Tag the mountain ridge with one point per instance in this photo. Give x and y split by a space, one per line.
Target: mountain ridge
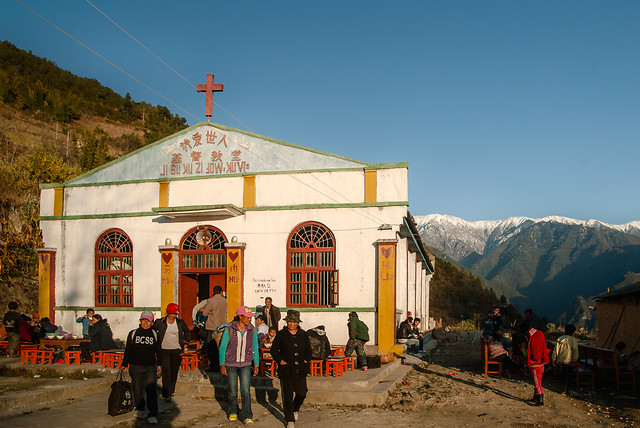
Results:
541 263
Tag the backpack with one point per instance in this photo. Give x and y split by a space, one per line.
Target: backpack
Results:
120 400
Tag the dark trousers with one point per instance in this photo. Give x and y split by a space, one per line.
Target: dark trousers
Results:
85 352
289 386
171 360
212 351
358 346
145 380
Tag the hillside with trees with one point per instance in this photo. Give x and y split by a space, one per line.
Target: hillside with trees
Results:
53 126
458 297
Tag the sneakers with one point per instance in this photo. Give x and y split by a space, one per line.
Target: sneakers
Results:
291 425
168 399
295 415
248 421
153 420
233 417
365 368
140 414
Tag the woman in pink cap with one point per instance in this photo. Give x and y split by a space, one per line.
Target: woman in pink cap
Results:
238 352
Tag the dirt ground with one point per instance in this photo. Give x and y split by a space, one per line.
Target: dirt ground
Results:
447 389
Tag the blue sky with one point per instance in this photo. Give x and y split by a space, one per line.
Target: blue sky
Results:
501 108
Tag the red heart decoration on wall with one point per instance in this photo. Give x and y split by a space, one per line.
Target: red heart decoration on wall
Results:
167 257
44 258
386 251
233 256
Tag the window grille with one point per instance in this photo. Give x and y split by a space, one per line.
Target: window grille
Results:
311 274
114 269
203 250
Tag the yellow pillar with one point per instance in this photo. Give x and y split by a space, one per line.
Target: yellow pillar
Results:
235 277
163 194
168 275
370 186
46 282
249 194
386 278
58 201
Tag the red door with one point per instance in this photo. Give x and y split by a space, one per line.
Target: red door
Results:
188 297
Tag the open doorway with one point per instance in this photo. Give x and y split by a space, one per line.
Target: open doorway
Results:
203 265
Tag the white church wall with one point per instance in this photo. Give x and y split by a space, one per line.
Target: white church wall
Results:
210 191
46 201
111 199
310 188
392 185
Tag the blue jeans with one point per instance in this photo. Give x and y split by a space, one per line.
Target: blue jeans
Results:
244 374
358 346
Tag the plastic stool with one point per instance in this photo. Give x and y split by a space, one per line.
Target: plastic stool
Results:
316 367
334 368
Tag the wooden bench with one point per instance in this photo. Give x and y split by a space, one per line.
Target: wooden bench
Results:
490 367
604 364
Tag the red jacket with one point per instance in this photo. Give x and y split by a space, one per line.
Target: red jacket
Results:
537 352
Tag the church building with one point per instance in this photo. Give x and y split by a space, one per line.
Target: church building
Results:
212 205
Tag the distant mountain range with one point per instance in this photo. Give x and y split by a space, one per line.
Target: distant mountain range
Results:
552 265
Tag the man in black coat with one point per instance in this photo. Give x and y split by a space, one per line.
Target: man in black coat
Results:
292 351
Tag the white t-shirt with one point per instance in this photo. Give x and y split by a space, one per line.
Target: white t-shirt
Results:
171 338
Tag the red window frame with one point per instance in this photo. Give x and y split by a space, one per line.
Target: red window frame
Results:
114 269
311 260
202 250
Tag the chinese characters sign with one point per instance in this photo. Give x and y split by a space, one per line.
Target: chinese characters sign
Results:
204 154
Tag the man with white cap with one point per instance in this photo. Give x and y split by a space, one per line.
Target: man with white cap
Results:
144 357
238 351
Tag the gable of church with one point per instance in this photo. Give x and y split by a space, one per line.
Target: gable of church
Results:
212 150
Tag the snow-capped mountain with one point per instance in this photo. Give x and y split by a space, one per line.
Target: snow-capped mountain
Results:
459 238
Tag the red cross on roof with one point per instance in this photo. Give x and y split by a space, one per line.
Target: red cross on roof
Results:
209 88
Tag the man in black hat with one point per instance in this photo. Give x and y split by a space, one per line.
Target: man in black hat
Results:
291 349
358 336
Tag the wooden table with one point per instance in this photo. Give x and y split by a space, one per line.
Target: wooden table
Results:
64 343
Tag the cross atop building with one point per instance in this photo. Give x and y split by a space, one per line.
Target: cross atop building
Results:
209 88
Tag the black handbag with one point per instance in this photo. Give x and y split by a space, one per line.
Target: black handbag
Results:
120 398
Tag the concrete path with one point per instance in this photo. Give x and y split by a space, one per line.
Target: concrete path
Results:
200 397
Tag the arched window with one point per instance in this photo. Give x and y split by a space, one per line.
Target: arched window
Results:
311 274
114 269
203 249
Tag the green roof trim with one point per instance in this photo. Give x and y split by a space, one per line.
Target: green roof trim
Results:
209 176
158 211
108 308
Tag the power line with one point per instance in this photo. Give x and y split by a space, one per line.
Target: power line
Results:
106 60
371 217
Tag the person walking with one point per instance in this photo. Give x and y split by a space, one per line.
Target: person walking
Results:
238 353
358 336
216 312
271 313
291 349
143 355
565 354
537 357
173 335
11 322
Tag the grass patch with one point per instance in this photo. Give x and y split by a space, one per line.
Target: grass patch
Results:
47 372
